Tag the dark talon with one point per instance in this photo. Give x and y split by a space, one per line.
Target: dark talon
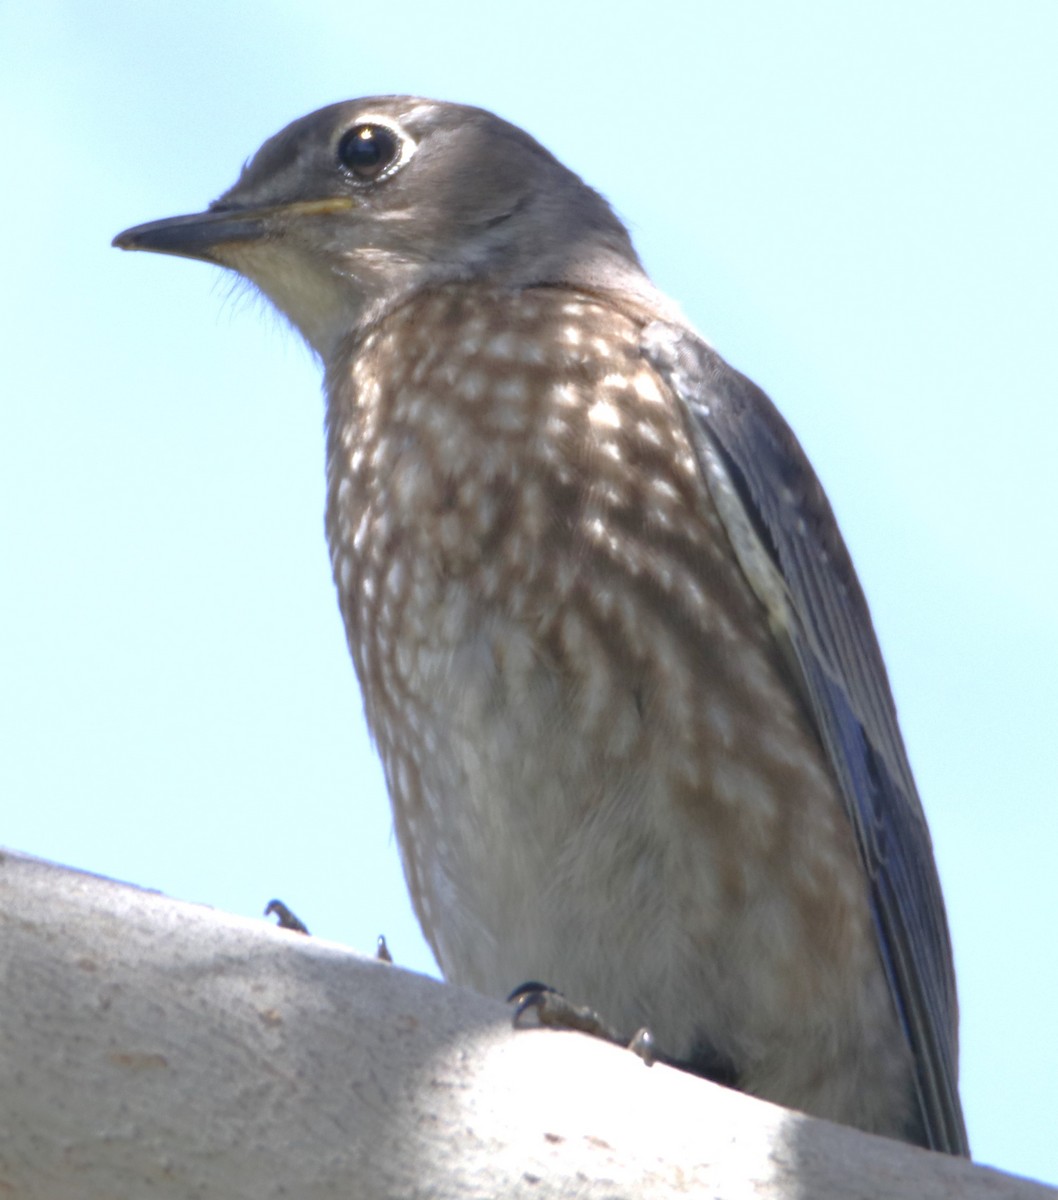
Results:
285 919
524 989
552 1008
531 995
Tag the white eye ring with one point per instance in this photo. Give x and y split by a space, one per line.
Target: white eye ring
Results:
373 149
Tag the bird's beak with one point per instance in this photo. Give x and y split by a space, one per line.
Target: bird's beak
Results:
201 235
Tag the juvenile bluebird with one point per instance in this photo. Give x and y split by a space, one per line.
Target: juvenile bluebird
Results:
635 724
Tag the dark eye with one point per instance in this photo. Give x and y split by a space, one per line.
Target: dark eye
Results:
368 150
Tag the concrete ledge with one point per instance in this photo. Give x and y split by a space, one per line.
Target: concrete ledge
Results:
151 1048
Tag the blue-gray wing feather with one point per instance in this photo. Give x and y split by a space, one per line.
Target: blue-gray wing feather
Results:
770 498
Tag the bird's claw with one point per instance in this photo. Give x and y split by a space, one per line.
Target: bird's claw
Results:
643 1046
555 1011
285 919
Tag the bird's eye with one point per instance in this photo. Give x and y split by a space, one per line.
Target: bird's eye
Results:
368 150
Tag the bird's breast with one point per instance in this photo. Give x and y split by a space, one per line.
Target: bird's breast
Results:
587 733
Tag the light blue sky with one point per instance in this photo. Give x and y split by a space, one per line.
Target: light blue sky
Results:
855 201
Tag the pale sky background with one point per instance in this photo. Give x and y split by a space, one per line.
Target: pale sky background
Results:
856 202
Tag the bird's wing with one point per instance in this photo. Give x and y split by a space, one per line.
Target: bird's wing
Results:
787 541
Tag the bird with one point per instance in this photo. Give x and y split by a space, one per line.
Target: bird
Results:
634 721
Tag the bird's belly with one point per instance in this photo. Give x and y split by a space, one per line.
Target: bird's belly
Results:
537 855
615 838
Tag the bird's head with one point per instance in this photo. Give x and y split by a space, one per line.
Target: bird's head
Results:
349 209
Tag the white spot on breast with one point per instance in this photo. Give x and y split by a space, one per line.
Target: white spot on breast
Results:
532 351
395 577
607 494
361 532
513 389
663 491
647 389
411 486
472 385
646 432
502 345
605 415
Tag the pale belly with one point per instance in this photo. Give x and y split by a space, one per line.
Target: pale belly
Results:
621 841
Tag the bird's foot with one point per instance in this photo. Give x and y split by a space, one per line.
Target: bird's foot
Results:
555 1011
285 919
